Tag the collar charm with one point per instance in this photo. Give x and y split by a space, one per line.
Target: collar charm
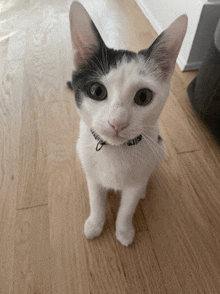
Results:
100 145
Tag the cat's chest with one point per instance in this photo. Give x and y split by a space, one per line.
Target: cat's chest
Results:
116 167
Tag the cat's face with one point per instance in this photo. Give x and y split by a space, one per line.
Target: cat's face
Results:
119 93
122 102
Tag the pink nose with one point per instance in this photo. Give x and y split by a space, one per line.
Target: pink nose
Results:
118 127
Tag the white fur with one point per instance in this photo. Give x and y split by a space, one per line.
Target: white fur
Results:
117 166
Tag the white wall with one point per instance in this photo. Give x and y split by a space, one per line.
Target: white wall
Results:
161 13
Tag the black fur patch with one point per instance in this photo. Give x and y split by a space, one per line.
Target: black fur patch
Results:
99 64
147 52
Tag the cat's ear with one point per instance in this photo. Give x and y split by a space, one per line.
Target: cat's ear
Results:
166 47
85 37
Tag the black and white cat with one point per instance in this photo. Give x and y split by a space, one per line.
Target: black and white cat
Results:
119 96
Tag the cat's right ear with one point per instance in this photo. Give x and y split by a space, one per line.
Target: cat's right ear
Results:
85 37
165 49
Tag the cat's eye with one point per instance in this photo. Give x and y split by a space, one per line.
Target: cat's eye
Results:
98 91
143 97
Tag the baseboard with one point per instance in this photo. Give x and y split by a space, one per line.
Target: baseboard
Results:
192 66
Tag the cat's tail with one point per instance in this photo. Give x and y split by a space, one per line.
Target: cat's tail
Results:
69 84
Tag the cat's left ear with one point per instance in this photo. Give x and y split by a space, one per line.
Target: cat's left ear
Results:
165 49
85 37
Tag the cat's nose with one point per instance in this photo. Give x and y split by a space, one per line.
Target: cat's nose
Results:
118 126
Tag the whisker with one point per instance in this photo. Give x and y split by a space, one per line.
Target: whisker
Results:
144 134
136 153
158 126
101 66
153 132
160 152
152 149
150 126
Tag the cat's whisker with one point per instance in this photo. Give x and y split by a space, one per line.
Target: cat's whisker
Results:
164 127
97 70
136 153
90 79
160 152
161 149
144 134
152 131
150 126
100 63
90 70
100 70
153 149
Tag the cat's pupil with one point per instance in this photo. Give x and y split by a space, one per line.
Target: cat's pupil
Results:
143 97
98 91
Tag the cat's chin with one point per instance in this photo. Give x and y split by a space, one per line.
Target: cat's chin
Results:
116 141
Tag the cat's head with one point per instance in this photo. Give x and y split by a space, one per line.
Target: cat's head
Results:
120 93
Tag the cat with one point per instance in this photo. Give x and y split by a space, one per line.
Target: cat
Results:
119 96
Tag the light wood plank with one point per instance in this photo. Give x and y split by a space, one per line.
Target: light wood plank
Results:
104 265
10 122
32 252
39 96
147 276
66 193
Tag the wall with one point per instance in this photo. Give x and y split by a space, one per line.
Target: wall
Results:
203 17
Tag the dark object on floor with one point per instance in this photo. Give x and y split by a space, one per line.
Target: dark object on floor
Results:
204 90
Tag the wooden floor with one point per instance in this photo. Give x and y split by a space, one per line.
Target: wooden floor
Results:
43 192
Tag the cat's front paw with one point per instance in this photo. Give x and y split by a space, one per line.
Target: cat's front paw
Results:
125 235
93 228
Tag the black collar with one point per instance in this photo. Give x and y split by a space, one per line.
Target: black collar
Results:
101 143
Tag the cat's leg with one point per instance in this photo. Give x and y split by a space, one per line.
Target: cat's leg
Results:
97 198
124 226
